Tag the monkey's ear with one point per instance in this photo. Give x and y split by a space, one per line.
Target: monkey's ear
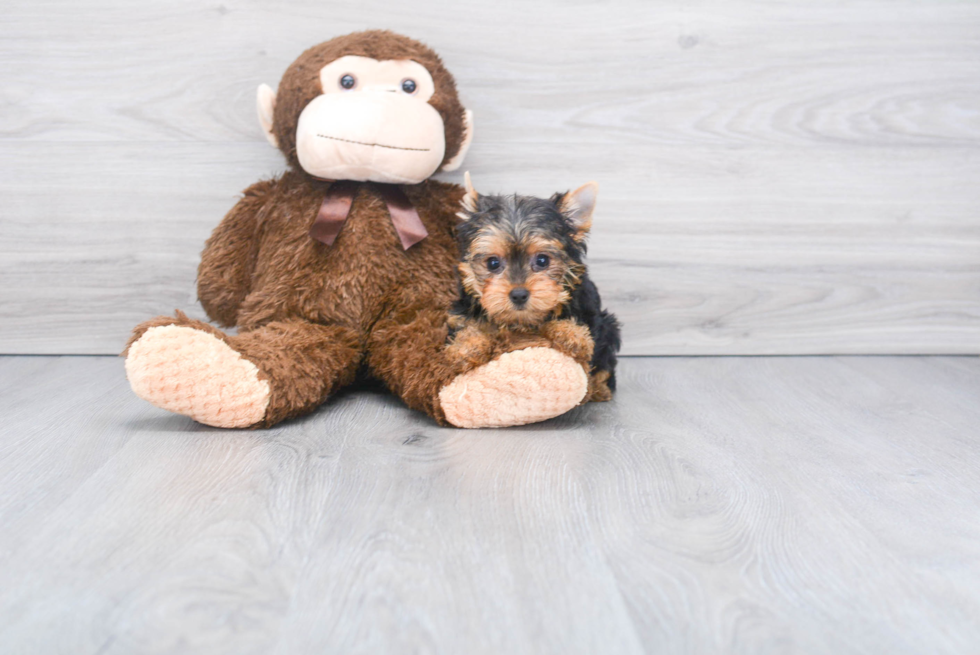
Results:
266 102
457 160
578 206
469 199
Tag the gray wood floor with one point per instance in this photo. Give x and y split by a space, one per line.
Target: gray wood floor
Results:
750 505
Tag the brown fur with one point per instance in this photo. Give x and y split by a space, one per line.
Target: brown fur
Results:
549 288
309 316
547 298
574 340
180 318
301 83
599 391
511 230
570 337
303 362
479 343
309 311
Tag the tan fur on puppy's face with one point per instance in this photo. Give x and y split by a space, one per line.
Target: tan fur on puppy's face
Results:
547 298
549 288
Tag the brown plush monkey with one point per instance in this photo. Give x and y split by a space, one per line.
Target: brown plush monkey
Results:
345 262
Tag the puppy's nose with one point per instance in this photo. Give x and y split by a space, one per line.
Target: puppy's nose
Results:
519 296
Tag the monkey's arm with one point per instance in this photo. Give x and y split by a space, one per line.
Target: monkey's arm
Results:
224 276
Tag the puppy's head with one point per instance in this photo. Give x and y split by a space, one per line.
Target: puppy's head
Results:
522 256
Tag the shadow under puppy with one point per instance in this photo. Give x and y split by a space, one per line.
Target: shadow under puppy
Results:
523 279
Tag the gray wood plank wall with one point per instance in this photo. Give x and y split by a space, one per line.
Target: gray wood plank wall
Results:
776 177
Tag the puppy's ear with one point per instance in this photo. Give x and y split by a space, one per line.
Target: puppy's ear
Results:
578 206
469 199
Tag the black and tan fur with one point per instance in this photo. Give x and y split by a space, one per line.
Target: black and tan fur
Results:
310 316
516 246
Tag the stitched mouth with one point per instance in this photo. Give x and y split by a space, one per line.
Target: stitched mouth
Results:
373 145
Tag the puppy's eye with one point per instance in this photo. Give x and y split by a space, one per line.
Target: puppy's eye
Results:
347 81
494 264
540 262
409 86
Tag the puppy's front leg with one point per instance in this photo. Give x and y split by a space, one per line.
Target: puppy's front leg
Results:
570 338
471 346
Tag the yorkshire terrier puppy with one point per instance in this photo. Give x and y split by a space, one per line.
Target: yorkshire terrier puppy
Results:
523 280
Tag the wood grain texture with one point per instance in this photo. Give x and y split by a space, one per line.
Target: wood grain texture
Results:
723 505
776 177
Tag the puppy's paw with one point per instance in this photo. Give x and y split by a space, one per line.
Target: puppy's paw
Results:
470 347
508 340
599 391
570 338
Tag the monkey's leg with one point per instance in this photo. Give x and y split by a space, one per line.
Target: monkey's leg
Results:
255 379
407 351
519 387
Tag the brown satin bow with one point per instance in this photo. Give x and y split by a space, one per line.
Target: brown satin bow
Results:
336 206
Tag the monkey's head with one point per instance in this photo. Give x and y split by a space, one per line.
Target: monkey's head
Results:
371 106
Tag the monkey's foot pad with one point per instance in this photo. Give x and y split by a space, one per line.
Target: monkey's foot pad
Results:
519 387
193 373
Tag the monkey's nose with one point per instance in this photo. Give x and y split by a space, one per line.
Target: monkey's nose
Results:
519 296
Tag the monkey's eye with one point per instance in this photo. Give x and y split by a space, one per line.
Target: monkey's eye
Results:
540 262
409 86
494 264
347 81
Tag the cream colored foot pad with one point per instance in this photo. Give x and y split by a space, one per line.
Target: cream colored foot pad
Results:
520 387
193 373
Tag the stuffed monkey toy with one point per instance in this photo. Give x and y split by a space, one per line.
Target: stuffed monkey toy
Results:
345 263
